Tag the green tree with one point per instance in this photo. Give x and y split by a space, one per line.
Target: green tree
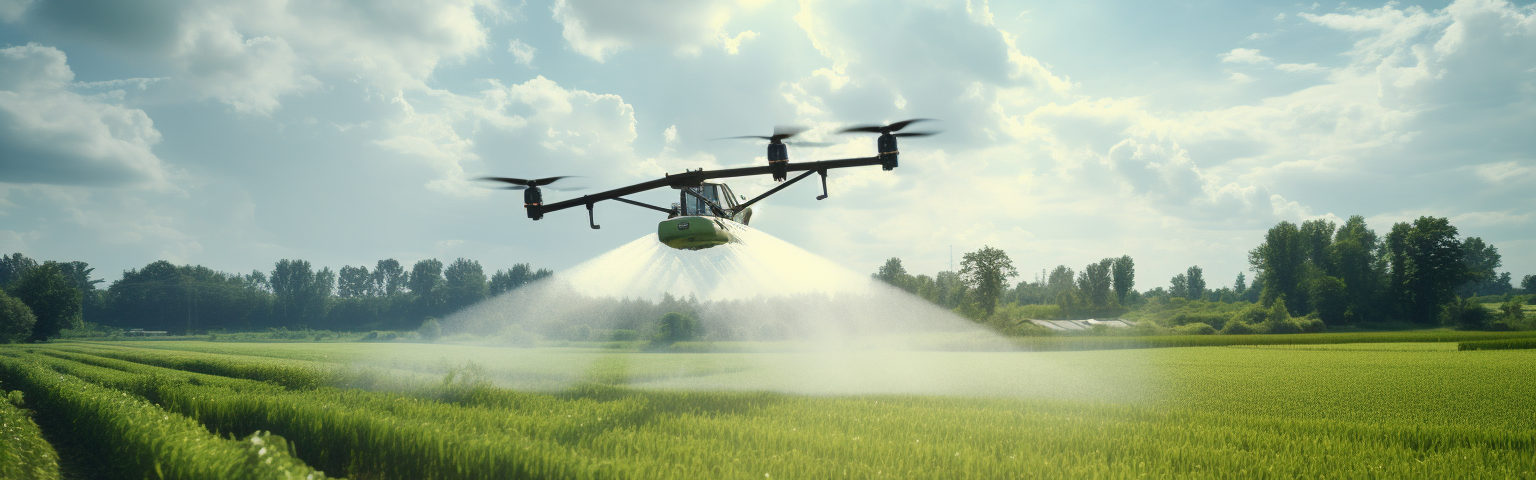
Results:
16 320
1280 260
1332 297
1196 282
1240 286
301 294
463 284
1317 236
1358 265
13 267
986 273
1095 283
676 327
1432 267
353 282
427 284
389 278
1124 277
1178 286
1528 284
53 300
1481 261
892 273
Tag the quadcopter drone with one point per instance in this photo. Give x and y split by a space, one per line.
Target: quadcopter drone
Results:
706 211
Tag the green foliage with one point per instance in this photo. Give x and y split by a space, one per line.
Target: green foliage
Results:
1123 274
1504 344
16 319
1312 411
1281 260
1465 313
430 330
136 439
986 273
463 284
24 454
675 327
54 301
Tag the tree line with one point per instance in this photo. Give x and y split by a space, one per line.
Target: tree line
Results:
1421 272
38 300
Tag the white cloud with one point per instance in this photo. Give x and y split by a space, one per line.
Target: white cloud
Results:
1300 68
521 51
600 28
1243 55
558 130
247 74
50 135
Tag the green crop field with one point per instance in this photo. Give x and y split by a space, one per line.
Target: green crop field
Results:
361 410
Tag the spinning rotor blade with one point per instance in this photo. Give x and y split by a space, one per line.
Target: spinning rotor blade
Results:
914 134
538 182
780 133
894 127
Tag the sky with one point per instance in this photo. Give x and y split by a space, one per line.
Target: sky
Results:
235 134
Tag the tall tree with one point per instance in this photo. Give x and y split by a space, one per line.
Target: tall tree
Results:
463 284
1060 281
1178 286
427 284
53 300
354 282
1196 282
1124 273
1358 264
1482 261
1280 260
1240 286
389 278
986 272
1095 282
300 294
1317 235
13 267
1433 267
892 273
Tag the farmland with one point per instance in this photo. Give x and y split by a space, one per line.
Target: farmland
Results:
290 410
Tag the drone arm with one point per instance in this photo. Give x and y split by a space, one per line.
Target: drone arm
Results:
776 189
667 211
693 178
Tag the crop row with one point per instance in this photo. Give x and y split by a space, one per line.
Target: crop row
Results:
1072 342
24 454
130 437
1507 344
456 429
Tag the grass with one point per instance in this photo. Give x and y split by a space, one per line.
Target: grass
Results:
1325 408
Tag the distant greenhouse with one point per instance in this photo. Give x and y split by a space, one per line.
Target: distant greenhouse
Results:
1078 325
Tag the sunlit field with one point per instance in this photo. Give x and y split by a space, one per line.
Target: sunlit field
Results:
361 410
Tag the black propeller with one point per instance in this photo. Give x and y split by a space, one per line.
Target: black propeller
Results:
890 129
520 184
782 133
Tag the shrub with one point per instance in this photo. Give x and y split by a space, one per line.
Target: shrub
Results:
16 319
675 327
623 335
1195 329
1235 327
430 330
1465 313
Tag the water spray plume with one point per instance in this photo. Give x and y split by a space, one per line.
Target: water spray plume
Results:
776 317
